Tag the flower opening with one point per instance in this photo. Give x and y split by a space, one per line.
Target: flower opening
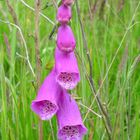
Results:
67 72
45 109
70 133
67 80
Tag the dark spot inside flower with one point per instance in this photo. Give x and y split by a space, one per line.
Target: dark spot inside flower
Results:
67 80
47 109
70 132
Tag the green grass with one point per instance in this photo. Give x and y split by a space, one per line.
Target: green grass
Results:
105 33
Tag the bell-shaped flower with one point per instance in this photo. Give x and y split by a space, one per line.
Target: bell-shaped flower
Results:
67 72
64 14
70 125
45 104
68 2
65 39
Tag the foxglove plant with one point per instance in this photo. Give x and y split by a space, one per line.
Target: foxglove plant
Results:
67 72
70 123
52 96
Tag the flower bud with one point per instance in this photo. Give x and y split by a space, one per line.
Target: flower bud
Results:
65 39
64 14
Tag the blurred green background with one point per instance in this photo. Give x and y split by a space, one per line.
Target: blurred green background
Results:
112 29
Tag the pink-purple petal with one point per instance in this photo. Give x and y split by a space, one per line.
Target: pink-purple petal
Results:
70 125
65 39
45 104
64 14
67 72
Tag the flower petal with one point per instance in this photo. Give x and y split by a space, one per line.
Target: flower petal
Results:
65 39
64 14
45 105
69 119
66 69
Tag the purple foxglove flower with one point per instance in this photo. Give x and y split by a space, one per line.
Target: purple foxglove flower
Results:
64 14
65 39
70 125
67 72
68 2
45 105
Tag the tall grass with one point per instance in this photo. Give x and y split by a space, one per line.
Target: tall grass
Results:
114 45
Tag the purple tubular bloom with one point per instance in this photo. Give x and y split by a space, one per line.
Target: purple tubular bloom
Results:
64 14
70 125
67 69
65 39
68 2
45 105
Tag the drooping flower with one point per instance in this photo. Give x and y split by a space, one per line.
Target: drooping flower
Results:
65 39
64 14
70 125
67 72
68 2
45 105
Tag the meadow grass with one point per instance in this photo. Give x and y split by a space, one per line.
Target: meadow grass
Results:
112 30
